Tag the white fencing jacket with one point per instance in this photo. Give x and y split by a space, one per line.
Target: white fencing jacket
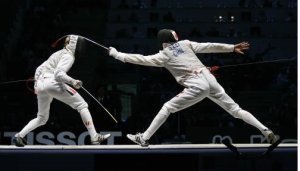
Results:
179 58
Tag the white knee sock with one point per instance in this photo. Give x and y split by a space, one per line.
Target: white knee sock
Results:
88 122
159 119
33 124
250 119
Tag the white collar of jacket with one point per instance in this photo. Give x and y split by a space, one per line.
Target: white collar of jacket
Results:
72 44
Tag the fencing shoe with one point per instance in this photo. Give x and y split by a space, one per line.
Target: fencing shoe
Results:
270 136
99 138
19 141
138 138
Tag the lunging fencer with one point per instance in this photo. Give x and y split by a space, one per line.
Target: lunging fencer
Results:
179 58
51 81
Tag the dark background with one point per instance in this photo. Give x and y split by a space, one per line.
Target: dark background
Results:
134 94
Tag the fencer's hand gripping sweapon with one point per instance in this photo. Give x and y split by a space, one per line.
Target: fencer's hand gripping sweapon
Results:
113 52
100 104
77 84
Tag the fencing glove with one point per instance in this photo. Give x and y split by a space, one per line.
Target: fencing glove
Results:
77 84
114 53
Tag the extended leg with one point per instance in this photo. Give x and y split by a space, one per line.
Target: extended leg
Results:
44 102
219 96
223 100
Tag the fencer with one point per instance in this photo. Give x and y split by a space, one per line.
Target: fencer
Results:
179 58
52 82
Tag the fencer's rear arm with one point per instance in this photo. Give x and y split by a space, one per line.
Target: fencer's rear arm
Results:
211 47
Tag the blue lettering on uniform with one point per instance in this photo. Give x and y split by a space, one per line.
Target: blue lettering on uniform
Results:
176 49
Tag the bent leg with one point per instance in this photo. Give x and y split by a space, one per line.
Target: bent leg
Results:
188 97
197 90
72 98
159 119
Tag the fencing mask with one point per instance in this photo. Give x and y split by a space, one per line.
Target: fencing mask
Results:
73 43
166 36
76 45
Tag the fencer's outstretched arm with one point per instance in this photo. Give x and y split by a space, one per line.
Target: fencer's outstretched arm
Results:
157 60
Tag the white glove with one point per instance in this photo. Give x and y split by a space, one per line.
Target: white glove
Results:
117 55
77 84
113 52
